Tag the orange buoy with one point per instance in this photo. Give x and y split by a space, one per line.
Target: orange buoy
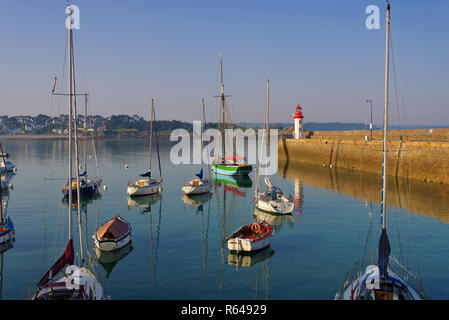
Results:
255 227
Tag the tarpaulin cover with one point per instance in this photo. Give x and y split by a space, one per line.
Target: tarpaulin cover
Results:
113 229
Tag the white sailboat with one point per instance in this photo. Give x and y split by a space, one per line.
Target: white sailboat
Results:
271 200
77 282
200 185
380 281
148 185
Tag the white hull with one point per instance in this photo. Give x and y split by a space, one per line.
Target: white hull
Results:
279 206
9 166
149 188
70 284
112 245
203 187
239 244
357 289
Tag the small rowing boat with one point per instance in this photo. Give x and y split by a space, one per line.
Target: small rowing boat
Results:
113 234
250 238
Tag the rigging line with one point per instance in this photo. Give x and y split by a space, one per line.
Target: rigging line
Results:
379 55
396 71
157 143
396 86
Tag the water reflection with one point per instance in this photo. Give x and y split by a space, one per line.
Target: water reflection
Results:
109 259
247 260
196 200
144 202
276 220
5 246
427 198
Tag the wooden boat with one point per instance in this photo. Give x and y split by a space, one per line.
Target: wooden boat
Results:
113 234
250 238
148 185
77 282
230 165
381 281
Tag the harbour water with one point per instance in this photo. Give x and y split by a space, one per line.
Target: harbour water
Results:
178 249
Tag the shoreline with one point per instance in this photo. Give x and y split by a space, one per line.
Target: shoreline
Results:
62 137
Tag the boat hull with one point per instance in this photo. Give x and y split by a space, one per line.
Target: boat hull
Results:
7 231
146 190
276 207
202 188
112 245
231 169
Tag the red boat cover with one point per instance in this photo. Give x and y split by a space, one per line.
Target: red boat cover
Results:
64 260
113 229
232 157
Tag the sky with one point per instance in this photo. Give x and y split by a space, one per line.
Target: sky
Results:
317 53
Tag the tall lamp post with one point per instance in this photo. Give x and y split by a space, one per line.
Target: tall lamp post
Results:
371 118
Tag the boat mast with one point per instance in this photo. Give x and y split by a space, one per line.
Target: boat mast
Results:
69 34
267 121
201 131
85 131
77 165
223 139
385 142
151 132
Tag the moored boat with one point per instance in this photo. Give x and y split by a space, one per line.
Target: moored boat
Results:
230 165
250 238
113 234
148 185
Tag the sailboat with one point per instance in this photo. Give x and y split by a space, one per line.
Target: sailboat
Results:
147 185
6 225
4 180
88 187
228 164
380 281
77 282
5 165
200 185
271 200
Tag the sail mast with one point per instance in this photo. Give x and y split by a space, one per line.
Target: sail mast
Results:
385 142
384 242
151 132
267 121
85 132
69 34
223 139
201 131
77 165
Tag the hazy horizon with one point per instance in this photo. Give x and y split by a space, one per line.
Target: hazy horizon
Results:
319 54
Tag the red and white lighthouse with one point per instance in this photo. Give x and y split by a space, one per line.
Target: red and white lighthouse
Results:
298 116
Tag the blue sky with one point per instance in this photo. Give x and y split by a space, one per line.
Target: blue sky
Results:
318 53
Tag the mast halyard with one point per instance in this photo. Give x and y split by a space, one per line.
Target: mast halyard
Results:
267 121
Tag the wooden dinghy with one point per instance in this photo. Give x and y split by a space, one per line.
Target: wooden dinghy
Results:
113 234
250 238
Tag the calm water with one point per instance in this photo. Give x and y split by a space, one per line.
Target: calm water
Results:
178 250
